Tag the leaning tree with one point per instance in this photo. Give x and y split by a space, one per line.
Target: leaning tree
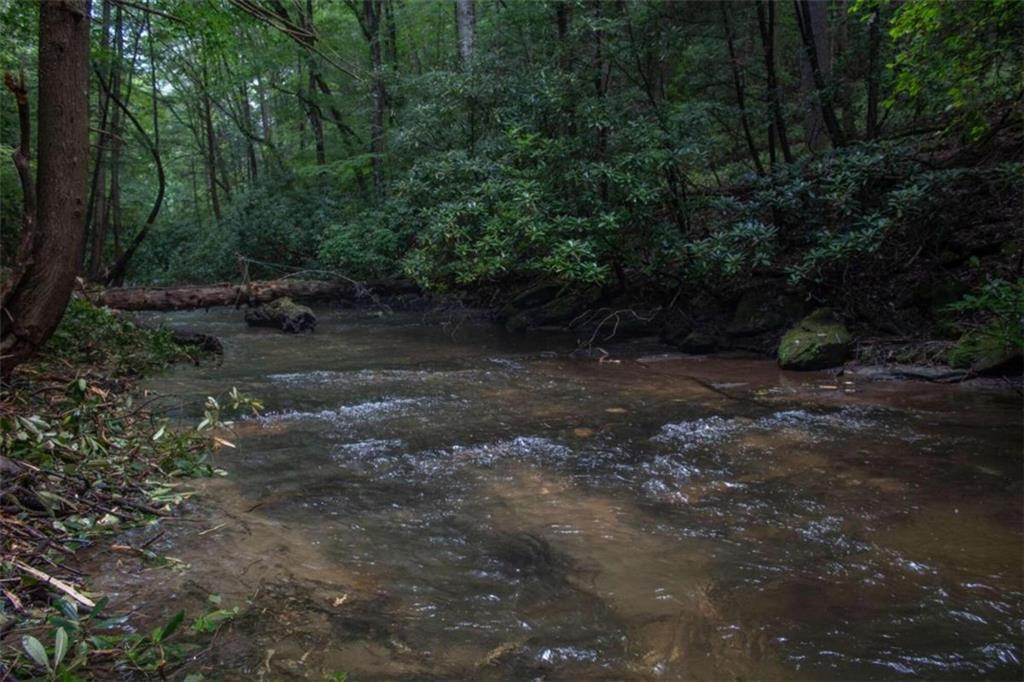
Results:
39 284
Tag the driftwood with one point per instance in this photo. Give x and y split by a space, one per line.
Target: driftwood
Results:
211 295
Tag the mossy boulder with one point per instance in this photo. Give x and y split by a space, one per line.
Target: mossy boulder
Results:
985 352
282 313
818 341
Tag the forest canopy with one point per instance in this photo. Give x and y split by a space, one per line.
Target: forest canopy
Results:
588 142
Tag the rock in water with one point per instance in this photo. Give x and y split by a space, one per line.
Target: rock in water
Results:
818 341
282 313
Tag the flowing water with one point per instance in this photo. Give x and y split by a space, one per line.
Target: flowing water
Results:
425 501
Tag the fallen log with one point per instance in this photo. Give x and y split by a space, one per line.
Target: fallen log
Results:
212 295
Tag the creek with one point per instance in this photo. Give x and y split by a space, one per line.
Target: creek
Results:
447 501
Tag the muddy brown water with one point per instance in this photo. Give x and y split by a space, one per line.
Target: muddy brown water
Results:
426 501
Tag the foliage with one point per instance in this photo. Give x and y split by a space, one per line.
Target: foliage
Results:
960 58
88 335
1000 305
80 639
84 458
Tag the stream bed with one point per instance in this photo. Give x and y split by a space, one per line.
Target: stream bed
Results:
447 501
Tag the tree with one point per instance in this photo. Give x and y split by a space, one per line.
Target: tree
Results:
34 303
812 21
766 25
465 23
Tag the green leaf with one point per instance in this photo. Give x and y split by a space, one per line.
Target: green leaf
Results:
34 648
60 647
100 605
173 624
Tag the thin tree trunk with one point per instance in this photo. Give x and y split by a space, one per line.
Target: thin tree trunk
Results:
98 190
812 24
737 79
391 36
600 76
112 216
36 304
766 23
312 109
211 156
250 145
372 14
874 46
114 276
465 27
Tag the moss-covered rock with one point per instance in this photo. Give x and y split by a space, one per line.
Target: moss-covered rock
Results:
818 341
985 352
282 313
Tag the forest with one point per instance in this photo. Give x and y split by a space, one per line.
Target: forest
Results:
814 185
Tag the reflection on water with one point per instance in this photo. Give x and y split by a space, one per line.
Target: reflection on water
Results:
417 506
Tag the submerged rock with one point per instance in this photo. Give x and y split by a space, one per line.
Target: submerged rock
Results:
282 313
818 341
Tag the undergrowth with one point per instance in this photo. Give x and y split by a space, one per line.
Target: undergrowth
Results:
83 458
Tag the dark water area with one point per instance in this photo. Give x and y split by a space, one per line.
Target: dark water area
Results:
427 501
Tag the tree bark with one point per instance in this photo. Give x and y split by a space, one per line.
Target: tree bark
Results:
874 47
737 80
600 75
766 23
211 155
812 22
36 305
114 275
465 27
372 14
22 158
98 192
112 215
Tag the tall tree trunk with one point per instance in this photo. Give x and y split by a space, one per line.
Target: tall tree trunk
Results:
114 275
843 70
813 24
600 75
36 304
211 156
391 37
465 27
98 194
737 80
315 121
372 17
264 113
874 47
312 108
250 144
766 24
113 212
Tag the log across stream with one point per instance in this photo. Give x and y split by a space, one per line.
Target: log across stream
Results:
418 505
227 294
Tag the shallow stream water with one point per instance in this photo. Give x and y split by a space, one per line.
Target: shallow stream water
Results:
428 501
